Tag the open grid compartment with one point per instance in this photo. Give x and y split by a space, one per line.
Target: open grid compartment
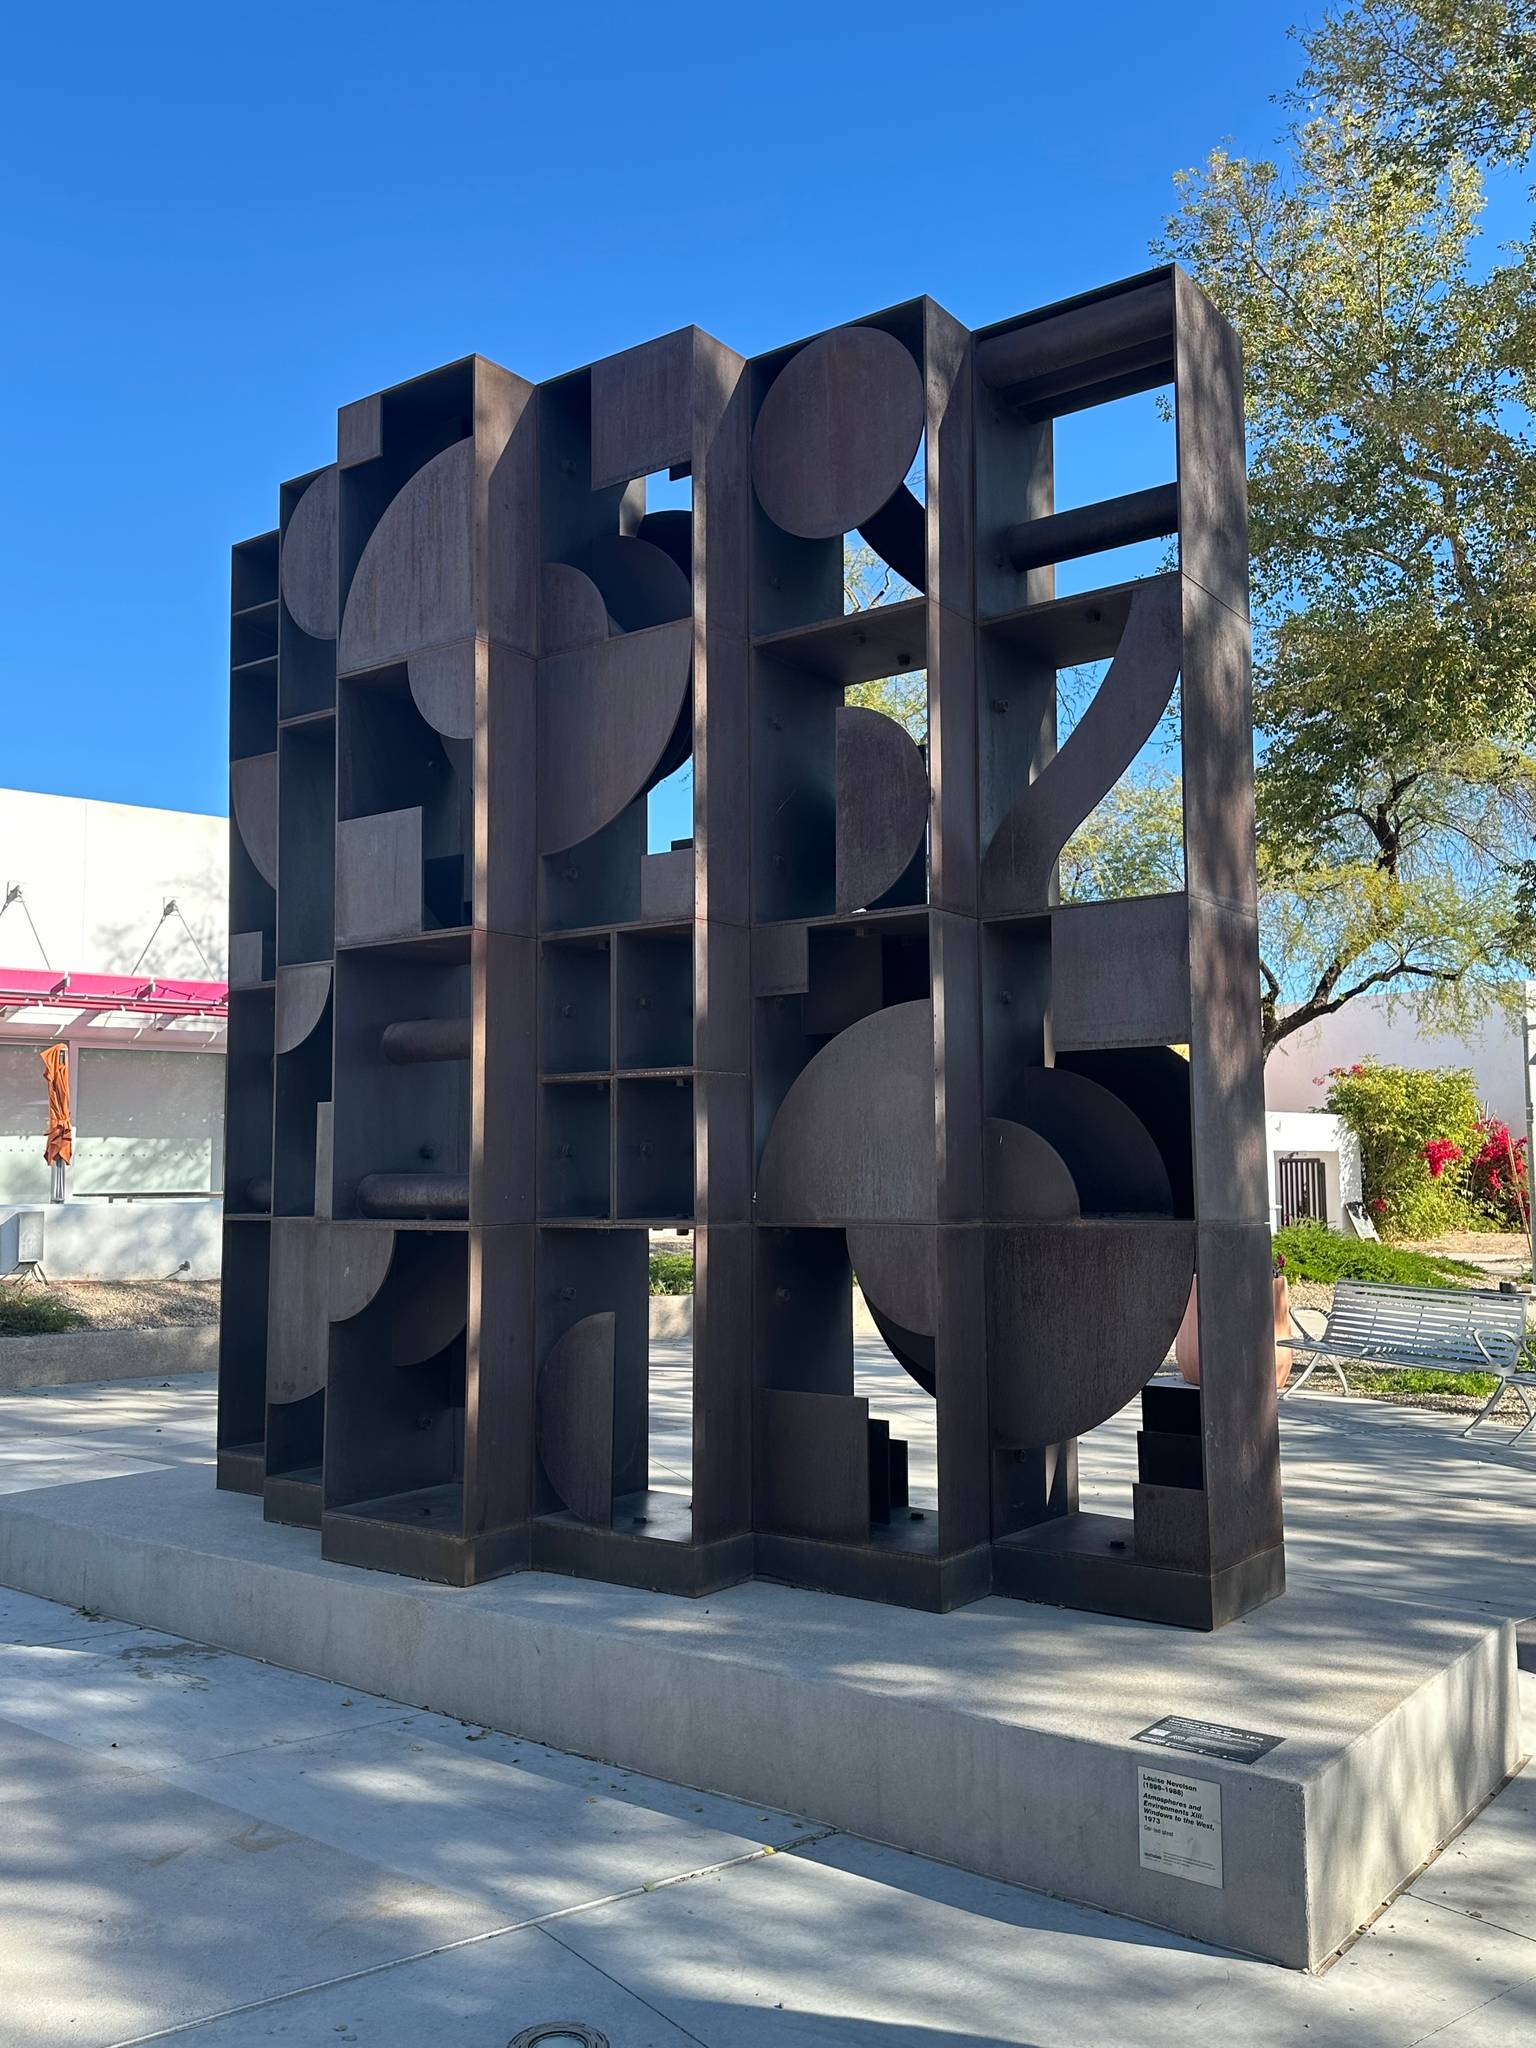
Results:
575 1150
576 1002
655 1149
306 843
398 1117
653 1006
396 1390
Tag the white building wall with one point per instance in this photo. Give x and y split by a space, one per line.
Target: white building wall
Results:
1363 1030
94 877
1314 1135
146 1093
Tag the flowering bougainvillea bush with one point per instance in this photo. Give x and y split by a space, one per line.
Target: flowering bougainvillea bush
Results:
1497 1176
1420 1131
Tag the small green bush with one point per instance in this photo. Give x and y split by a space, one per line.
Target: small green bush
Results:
30 1312
671 1273
1418 1132
1313 1252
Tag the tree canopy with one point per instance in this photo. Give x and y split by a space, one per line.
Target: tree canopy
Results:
1391 376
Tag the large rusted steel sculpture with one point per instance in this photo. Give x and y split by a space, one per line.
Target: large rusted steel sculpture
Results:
482 1040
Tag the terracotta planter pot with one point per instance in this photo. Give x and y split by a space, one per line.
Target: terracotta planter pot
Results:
1186 1346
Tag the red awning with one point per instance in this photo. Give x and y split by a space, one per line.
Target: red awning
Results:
47 988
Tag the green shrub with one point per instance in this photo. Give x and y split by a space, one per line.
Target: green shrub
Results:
31 1312
1313 1252
671 1272
1418 1132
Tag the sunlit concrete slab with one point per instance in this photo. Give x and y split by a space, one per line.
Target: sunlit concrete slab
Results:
999 1738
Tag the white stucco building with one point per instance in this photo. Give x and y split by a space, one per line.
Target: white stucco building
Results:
85 926
1312 1158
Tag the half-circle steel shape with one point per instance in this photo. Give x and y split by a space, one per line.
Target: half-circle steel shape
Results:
253 797
896 1264
1111 1158
1024 1177
360 1256
608 718
575 1417
1079 1316
571 609
414 586
442 681
837 432
1017 867
641 584
853 1140
882 804
308 567
299 1003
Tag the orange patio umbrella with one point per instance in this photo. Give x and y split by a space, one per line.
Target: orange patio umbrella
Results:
60 1148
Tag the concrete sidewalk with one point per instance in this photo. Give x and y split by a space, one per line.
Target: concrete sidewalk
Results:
200 1848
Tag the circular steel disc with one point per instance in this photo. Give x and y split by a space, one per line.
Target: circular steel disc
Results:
837 432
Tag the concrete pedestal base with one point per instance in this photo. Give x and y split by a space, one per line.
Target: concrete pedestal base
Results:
998 1737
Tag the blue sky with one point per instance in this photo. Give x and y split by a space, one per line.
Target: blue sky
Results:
221 223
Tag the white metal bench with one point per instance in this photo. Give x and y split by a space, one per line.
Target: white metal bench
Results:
1422 1329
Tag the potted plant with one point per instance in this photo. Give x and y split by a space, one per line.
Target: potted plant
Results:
1186 1346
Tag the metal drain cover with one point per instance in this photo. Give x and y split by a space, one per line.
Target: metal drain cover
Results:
559 2034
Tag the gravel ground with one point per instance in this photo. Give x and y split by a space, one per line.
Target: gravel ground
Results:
138 1304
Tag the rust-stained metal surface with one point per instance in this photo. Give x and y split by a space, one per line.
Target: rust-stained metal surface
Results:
490 1033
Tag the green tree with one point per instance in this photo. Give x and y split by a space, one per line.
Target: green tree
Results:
1391 375
869 581
1419 1133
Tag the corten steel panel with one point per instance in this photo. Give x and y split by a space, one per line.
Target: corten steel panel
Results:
607 714
247 959
1226 1065
359 431
882 804
956 969
378 877
414 586
1024 1176
954 836
780 960
298 1323
667 886
1213 501
811 1474
950 462
1217 725
863 647
502 1078
722 1017
1120 973
1079 1317
722 1379
309 559
253 800
575 1409
1237 1391
642 409
960 1355
837 432
853 1140
299 1003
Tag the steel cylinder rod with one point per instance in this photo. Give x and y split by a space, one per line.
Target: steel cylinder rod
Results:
1086 529
1138 322
444 1197
418 1040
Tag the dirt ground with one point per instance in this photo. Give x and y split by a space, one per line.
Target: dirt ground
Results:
138 1304
1477 1245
